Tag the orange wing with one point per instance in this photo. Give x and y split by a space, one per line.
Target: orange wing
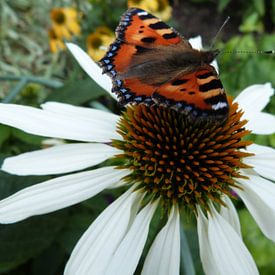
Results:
137 32
138 27
200 93
141 34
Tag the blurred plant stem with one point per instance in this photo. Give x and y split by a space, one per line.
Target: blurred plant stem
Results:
52 64
23 81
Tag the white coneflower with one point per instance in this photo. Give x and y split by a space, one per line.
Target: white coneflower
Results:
166 160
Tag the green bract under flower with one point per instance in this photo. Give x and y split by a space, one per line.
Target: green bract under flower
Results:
180 159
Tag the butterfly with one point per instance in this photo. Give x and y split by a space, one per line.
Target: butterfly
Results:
151 63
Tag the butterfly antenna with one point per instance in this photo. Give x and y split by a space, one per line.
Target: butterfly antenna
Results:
251 52
218 32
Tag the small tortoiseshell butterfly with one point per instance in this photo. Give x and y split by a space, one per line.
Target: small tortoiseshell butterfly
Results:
151 63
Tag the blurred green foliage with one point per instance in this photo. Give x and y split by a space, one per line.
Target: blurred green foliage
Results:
30 74
262 249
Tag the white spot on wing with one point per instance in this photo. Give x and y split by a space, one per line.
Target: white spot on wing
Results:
219 105
142 13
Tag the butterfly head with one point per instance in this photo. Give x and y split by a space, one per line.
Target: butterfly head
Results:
209 56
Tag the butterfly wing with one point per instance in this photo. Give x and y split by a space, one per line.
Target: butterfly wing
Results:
138 27
137 33
200 93
144 40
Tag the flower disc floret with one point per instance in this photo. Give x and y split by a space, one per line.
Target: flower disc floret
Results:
179 158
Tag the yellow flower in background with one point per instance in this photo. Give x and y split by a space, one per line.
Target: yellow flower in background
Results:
142 4
98 41
55 42
159 8
65 22
104 30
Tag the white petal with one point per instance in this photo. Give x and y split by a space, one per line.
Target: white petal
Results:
59 159
91 68
215 65
261 123
229 252
117 185
263 161
95 116
260 150
230 214
196 42
95 248
126 257
57 193
258 195
254 98
58 125
206 255
164 255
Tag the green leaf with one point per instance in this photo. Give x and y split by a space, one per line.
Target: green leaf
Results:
10 184
237 71
49 261
77 224
260 139
77 92
223 4
26 137
252 23
5 132
25 240
267 42
187 265
99 202
262 249
2 157
273 11
157 223
272 140
190 230
259 6
257 69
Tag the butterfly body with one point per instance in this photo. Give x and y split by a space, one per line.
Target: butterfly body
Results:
151 63
160 64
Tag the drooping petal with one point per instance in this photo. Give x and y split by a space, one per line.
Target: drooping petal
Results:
57 193
94 250
258 195
59 159
254 98
260 124
263 161
164 255
229 252
126 257
58 125
206 255
91 68
230 214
